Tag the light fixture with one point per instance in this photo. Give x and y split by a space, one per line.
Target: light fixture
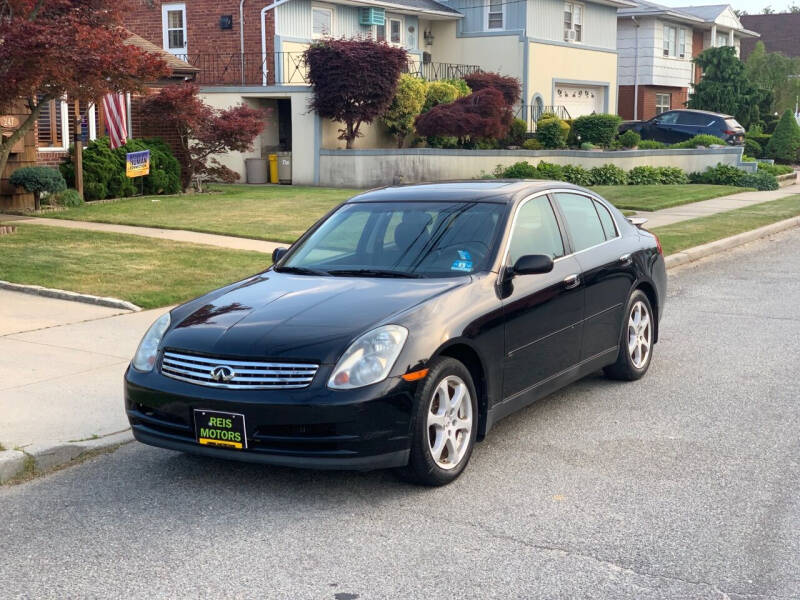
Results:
428 36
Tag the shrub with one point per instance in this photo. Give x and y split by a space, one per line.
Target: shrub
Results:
508 86
672 175
577 175
770 123
752 148
719 175
761 138
700 140
608 175
441 141
760 180
482 114
516 133
68 198
600 129
552 132
38 180
532 144
785 142
651 145
406 105
439 92
460 85
644 176
775 169
588 146
521 170
105 166
546 170
629 139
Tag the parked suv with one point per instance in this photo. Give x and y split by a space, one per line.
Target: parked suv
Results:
678 125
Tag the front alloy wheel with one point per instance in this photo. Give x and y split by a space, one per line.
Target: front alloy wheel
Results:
445 424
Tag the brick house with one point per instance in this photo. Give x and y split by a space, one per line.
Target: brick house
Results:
779 32
656 44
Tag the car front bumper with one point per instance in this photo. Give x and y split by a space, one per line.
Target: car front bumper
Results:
317 428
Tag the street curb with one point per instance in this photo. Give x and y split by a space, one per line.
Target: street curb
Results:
73 296
47 457
12 464
692 254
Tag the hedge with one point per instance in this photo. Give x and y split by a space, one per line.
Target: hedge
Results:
599 129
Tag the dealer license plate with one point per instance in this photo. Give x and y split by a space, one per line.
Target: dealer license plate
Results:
222 429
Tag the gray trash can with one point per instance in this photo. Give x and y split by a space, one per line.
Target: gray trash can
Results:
285 167
256 170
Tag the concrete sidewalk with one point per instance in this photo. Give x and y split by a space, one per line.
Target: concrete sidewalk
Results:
61 373
176 235
668 216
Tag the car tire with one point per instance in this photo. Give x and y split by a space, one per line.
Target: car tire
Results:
636 340
441 443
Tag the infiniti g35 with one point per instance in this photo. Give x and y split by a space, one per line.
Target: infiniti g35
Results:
401 327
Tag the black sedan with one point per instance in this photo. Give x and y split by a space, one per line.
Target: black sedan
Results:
401 327
678 125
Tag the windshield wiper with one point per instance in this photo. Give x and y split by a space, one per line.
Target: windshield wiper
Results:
301 271
374 273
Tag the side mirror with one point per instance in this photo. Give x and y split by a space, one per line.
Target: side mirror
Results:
278 254
532 264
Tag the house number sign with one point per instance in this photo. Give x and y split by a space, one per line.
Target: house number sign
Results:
9 122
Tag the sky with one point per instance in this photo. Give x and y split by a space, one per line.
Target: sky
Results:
751 6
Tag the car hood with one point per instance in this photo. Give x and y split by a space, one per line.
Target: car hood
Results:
297 317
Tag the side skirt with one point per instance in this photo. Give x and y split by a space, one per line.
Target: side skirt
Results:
547 386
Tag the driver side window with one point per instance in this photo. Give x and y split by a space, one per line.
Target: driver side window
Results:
536 231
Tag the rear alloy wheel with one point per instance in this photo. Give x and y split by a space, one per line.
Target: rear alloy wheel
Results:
636 343
445 424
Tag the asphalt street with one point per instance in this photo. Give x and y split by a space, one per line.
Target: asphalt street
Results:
683 485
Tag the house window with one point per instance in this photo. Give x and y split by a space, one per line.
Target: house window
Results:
573 22
380 33
494 14
663 103
173 27
674 41
722 39
322 22
396 31
56 120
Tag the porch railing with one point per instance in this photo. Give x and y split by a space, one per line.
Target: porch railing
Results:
288 68
531 113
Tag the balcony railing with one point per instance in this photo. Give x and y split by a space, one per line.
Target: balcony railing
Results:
288 68
436 71
531 113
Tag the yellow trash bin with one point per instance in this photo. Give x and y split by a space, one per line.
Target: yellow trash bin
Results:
273 168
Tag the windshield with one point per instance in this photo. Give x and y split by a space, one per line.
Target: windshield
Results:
401 239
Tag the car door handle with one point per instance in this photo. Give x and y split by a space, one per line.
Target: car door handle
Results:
625 259
571 281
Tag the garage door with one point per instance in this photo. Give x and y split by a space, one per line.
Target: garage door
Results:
580 99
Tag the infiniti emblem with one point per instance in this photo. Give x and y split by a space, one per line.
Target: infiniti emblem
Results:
222 374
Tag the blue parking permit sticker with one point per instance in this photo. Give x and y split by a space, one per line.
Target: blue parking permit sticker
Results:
464 255
461 265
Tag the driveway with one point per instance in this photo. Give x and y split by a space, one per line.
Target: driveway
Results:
683 485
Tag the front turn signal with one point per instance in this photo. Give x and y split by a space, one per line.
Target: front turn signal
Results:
415 375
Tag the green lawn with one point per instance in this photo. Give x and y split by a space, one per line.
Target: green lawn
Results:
145 271
657 197
695 232
276 213
281 214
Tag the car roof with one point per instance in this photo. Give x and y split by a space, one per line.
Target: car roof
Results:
702 112
504 191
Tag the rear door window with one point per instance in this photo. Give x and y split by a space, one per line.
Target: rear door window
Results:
583 222
697 119
607 221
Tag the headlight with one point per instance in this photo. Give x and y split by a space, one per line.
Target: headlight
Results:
145 357
369 359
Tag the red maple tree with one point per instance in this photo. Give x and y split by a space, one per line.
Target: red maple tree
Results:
482 114
508 86
204 131
53 48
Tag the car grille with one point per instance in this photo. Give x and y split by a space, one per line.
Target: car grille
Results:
237 374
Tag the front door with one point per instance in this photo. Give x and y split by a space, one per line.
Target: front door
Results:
173 27
543 313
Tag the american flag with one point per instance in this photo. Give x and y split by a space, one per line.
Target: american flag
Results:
114 109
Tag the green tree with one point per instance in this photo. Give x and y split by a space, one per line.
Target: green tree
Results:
406 105
784 144
767 10
773 72
725 87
